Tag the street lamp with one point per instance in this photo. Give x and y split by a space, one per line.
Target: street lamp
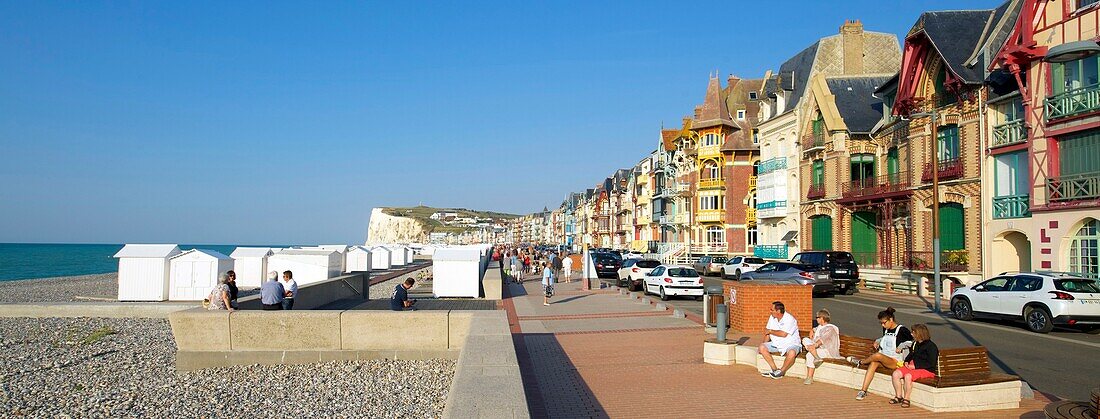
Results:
935 203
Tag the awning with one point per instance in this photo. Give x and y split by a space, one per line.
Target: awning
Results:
1071 51
790 236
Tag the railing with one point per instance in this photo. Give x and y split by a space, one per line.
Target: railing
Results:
750 216
711 183
665 219
772 164
708 248
1011 206
950 261
812 142
949 169
771 209
1073 102
770 205
710 151
770 251
709 216
879 185
681 218
752 182
1073 187
816 191
1008 133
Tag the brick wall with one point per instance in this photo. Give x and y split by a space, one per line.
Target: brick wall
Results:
749 312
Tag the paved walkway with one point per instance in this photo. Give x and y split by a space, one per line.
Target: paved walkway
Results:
598 354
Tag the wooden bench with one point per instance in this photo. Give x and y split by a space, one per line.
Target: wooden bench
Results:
957 367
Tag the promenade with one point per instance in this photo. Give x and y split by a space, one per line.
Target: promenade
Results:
599 354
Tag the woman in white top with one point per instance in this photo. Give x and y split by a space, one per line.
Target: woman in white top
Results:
824 342
547 284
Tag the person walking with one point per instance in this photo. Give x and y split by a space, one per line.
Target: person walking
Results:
547 284
291 288
517 274
567 264
272 293
556 265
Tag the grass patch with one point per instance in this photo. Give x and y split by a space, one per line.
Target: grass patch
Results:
98 335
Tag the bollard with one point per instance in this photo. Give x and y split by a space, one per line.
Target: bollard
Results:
723 318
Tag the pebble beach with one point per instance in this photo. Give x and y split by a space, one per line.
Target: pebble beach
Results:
65 288
96 367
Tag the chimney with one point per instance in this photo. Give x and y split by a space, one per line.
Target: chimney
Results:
851 35
698 112
732 80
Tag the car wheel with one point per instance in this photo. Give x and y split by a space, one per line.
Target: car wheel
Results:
737 274
962 310
849 290
664 297
1038 320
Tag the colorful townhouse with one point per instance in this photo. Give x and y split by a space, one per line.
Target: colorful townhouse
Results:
786 123
1042 189
641 234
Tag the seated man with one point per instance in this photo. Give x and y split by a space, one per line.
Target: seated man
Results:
399 300
781 337
271 293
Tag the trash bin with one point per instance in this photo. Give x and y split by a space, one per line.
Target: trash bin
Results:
712 296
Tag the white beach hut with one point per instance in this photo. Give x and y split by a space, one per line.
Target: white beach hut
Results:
456 272
342 249
143 271
399 255
250 265
308 265
195 272
358 259
380 257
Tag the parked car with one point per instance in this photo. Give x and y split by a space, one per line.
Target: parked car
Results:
607 264
1041 299
841 266
738 265
633 272
710 264
633 255
793 272
673 280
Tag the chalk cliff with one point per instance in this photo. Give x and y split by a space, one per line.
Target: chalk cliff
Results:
385 228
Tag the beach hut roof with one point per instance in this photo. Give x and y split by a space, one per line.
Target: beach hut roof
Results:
306 252
250 252
211 253
456 253
336 247
147 251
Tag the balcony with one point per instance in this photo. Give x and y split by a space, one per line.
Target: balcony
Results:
682 218
712 183
950 261
750 216
752 182
772 164
684 189
710 151
709 216
665 219
1009 133
1073 102
811 142
949 169
771 209
690 150
659 166
879 185
1073 187
1011 206
816 191
770 251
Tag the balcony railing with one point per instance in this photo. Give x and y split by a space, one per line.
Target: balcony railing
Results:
771 209
711 183
1073 187
710 151
950 261
949 169
750 216
772 164
681 218
752 182
1008 133
1073 102
816 191
812 142
709 216
1011 206
665 219
770 205
770 251
879 185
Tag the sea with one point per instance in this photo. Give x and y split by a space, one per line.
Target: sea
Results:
47 260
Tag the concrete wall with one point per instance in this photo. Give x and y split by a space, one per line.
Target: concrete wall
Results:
317 294
492 285
158 310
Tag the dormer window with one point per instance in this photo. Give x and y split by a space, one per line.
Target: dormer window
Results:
752 96
740 114
710 140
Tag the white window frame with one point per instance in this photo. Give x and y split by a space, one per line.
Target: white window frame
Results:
741 114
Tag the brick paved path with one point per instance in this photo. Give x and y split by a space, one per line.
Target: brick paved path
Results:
604 356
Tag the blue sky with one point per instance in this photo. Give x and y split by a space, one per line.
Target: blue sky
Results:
272 122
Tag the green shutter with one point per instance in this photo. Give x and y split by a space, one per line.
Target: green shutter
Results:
952 231
948 138
1079 154
864 239
892 162
822 232
1058 76
818 177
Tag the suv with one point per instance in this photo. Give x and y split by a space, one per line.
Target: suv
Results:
1041 299
632 274
607 264
841 266
707 265
738 265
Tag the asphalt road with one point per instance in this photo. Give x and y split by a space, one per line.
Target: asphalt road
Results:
1064 363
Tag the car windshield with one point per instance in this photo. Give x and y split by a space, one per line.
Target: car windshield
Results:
682 272
1076 285
754 260
606 259
648 263
719 259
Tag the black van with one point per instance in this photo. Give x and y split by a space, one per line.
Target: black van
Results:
841 266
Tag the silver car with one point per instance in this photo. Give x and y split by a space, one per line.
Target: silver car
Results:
793 272
708 265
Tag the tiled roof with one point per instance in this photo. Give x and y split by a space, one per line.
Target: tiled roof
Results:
715 110
794 74
955 34
668 138
859 109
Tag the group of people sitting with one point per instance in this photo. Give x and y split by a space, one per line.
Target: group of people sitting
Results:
274 294
911 355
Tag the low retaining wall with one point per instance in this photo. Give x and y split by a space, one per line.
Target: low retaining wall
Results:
492 285
317 294
93 309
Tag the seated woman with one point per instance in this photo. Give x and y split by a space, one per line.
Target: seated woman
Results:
890 349
921 363
824 342
219 296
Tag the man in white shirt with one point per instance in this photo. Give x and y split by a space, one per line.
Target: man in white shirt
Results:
567 264
780 338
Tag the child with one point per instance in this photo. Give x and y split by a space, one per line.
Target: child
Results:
547 284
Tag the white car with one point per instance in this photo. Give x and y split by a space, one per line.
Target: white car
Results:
1041 299
632 255
738 265
672 280
633 272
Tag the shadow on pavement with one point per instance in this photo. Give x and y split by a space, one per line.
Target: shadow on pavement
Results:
551 382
